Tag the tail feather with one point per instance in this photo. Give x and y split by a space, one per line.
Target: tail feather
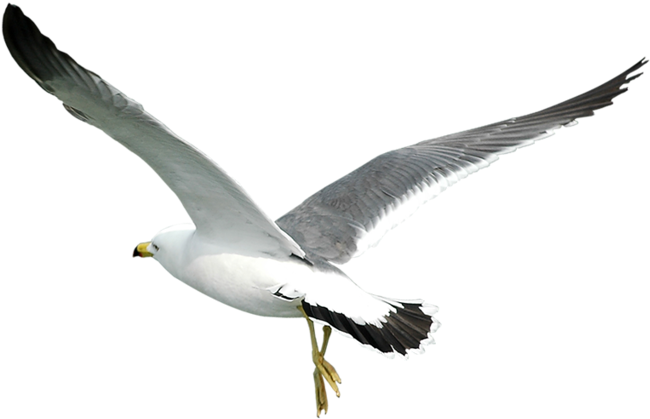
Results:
406 328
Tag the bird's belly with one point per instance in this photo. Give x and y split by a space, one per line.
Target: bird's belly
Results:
242 282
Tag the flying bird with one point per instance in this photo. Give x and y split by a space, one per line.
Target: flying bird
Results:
236 254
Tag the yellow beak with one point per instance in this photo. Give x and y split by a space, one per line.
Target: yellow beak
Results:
141 250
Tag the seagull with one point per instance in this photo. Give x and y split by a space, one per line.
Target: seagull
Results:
237 255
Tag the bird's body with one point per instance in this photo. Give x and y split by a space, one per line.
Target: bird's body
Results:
233 278
254 282
237 278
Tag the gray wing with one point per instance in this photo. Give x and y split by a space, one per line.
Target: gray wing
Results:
346 217
218 206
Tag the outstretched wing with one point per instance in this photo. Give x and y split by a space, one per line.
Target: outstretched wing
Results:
217 205
346 217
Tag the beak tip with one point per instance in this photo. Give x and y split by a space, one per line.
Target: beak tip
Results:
142 250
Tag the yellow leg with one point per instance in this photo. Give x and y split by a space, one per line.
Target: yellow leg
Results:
324 370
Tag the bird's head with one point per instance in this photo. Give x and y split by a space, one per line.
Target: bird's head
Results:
168 246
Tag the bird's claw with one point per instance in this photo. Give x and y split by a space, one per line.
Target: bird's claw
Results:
324 372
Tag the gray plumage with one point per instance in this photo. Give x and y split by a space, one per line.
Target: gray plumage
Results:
330 223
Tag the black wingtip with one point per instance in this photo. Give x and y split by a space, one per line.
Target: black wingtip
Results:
19 33
12 14
637 66
27 45
625 76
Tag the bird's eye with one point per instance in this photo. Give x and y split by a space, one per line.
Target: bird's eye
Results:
155 247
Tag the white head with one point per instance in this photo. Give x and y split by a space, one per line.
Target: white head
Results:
168 247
